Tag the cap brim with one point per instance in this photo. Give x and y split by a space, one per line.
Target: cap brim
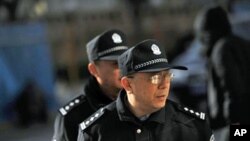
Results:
162 67
110 58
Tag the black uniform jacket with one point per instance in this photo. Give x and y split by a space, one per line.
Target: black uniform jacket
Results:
77 110
115 122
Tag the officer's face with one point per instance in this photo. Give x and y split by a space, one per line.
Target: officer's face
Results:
149 95
108 76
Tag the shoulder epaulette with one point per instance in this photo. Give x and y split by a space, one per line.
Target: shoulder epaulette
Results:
83 125
72 104
193 113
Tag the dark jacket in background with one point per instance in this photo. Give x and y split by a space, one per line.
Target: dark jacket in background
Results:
77 110
228 82
228 69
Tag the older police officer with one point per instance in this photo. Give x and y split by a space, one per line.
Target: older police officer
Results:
142 111
102 87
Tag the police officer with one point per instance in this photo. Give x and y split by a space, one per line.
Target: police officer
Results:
142 111
101 88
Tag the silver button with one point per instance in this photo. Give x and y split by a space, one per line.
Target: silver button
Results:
67 107
186 109
96 115
138 131
71 104
197 113
191 111
92 118
87 122
77 101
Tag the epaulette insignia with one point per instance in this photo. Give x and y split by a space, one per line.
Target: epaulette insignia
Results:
199 115
92 119
73 103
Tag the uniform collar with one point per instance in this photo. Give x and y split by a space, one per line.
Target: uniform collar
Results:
123 111
94 94
162 116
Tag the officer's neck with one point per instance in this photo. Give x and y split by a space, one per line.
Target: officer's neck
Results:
138 109
110 93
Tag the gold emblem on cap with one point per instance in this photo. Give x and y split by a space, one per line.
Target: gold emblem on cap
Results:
116 38
155 49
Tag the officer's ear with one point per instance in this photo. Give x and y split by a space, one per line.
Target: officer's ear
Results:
92 69
126 84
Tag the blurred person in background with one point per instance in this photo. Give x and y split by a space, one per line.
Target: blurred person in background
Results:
30 105
228 71
190 87
142 110
101 88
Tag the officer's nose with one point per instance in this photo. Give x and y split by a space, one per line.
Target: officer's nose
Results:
165 82
164 85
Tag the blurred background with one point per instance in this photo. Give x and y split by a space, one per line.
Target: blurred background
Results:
43 58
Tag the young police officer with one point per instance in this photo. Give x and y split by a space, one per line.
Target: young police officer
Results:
102 87
142 111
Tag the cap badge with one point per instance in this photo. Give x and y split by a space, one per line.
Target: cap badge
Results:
155 49
116 38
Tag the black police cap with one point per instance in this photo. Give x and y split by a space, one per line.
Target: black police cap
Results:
107 46
147 56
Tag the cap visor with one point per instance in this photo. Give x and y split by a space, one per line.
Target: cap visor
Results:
111 58
162 67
